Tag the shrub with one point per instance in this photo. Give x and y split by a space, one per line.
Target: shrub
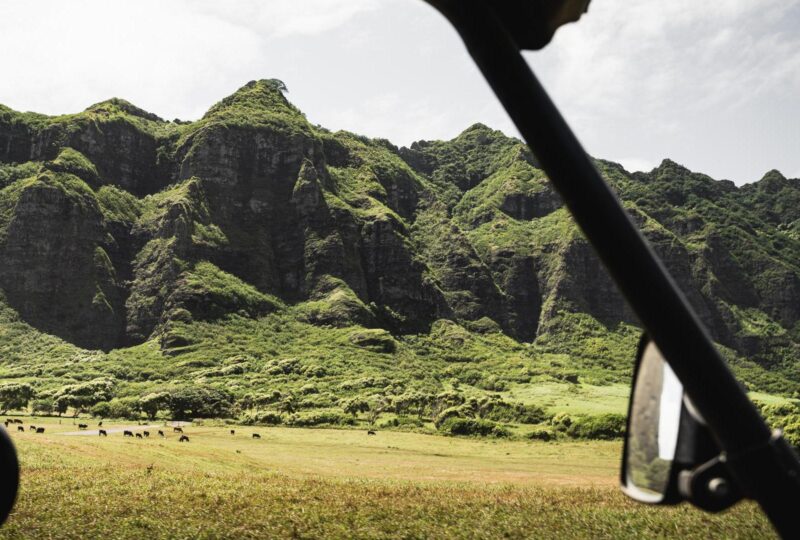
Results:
314 370
493 384
374 339
517 412
322 418
470 426
309 389
262 418
540 434
561 421
101 410
791 430
469 376
604 427
318 401
773 413
402 421
282 367
447 414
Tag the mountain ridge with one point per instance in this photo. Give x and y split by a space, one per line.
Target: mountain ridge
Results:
118 228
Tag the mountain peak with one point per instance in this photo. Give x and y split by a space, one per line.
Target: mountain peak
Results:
117 105
260 95
482 132
772 182
669 165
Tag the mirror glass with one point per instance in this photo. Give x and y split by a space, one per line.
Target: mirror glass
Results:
653 427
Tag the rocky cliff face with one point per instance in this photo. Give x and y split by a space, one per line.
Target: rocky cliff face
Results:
115 224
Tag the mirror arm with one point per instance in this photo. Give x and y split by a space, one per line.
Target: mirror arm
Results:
770 474
710 486
715 485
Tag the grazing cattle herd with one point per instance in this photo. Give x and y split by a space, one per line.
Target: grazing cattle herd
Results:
125 432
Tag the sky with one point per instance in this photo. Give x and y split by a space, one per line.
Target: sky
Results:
714 86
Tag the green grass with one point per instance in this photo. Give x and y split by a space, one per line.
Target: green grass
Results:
305 483
572 398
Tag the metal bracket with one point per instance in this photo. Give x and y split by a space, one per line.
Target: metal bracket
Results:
710 486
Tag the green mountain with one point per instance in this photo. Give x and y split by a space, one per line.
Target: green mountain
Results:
255 253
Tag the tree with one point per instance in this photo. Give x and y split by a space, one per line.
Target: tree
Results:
15 396
355 406
82 396
377 405
199 402
278 85
44 405
288 405
61 404
152 403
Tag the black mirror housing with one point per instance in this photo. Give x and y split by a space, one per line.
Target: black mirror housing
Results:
9 475
694 471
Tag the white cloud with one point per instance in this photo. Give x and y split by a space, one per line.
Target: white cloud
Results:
69 55
282 18
676 76
713 85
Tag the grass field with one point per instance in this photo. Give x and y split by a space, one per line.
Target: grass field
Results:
572 398
304 483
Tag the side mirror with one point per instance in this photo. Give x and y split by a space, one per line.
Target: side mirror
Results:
669 455
9 475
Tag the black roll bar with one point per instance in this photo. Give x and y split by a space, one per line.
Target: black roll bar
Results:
774 481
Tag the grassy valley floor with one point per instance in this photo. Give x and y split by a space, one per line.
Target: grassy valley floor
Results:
318 483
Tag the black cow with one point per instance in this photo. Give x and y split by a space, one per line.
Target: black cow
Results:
39 430
146 433
20 428
83 426
127 433
233 432
32 428
370 432
100 424
160 433
138 435
183 438
177 430
256 436
102 433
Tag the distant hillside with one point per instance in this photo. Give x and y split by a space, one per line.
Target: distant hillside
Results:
252 238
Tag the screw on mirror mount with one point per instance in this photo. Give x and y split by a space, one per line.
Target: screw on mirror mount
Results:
494 44
709 486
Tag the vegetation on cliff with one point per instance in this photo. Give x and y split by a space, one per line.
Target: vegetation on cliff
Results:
318 277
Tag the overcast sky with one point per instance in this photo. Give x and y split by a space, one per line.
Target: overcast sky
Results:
712 85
